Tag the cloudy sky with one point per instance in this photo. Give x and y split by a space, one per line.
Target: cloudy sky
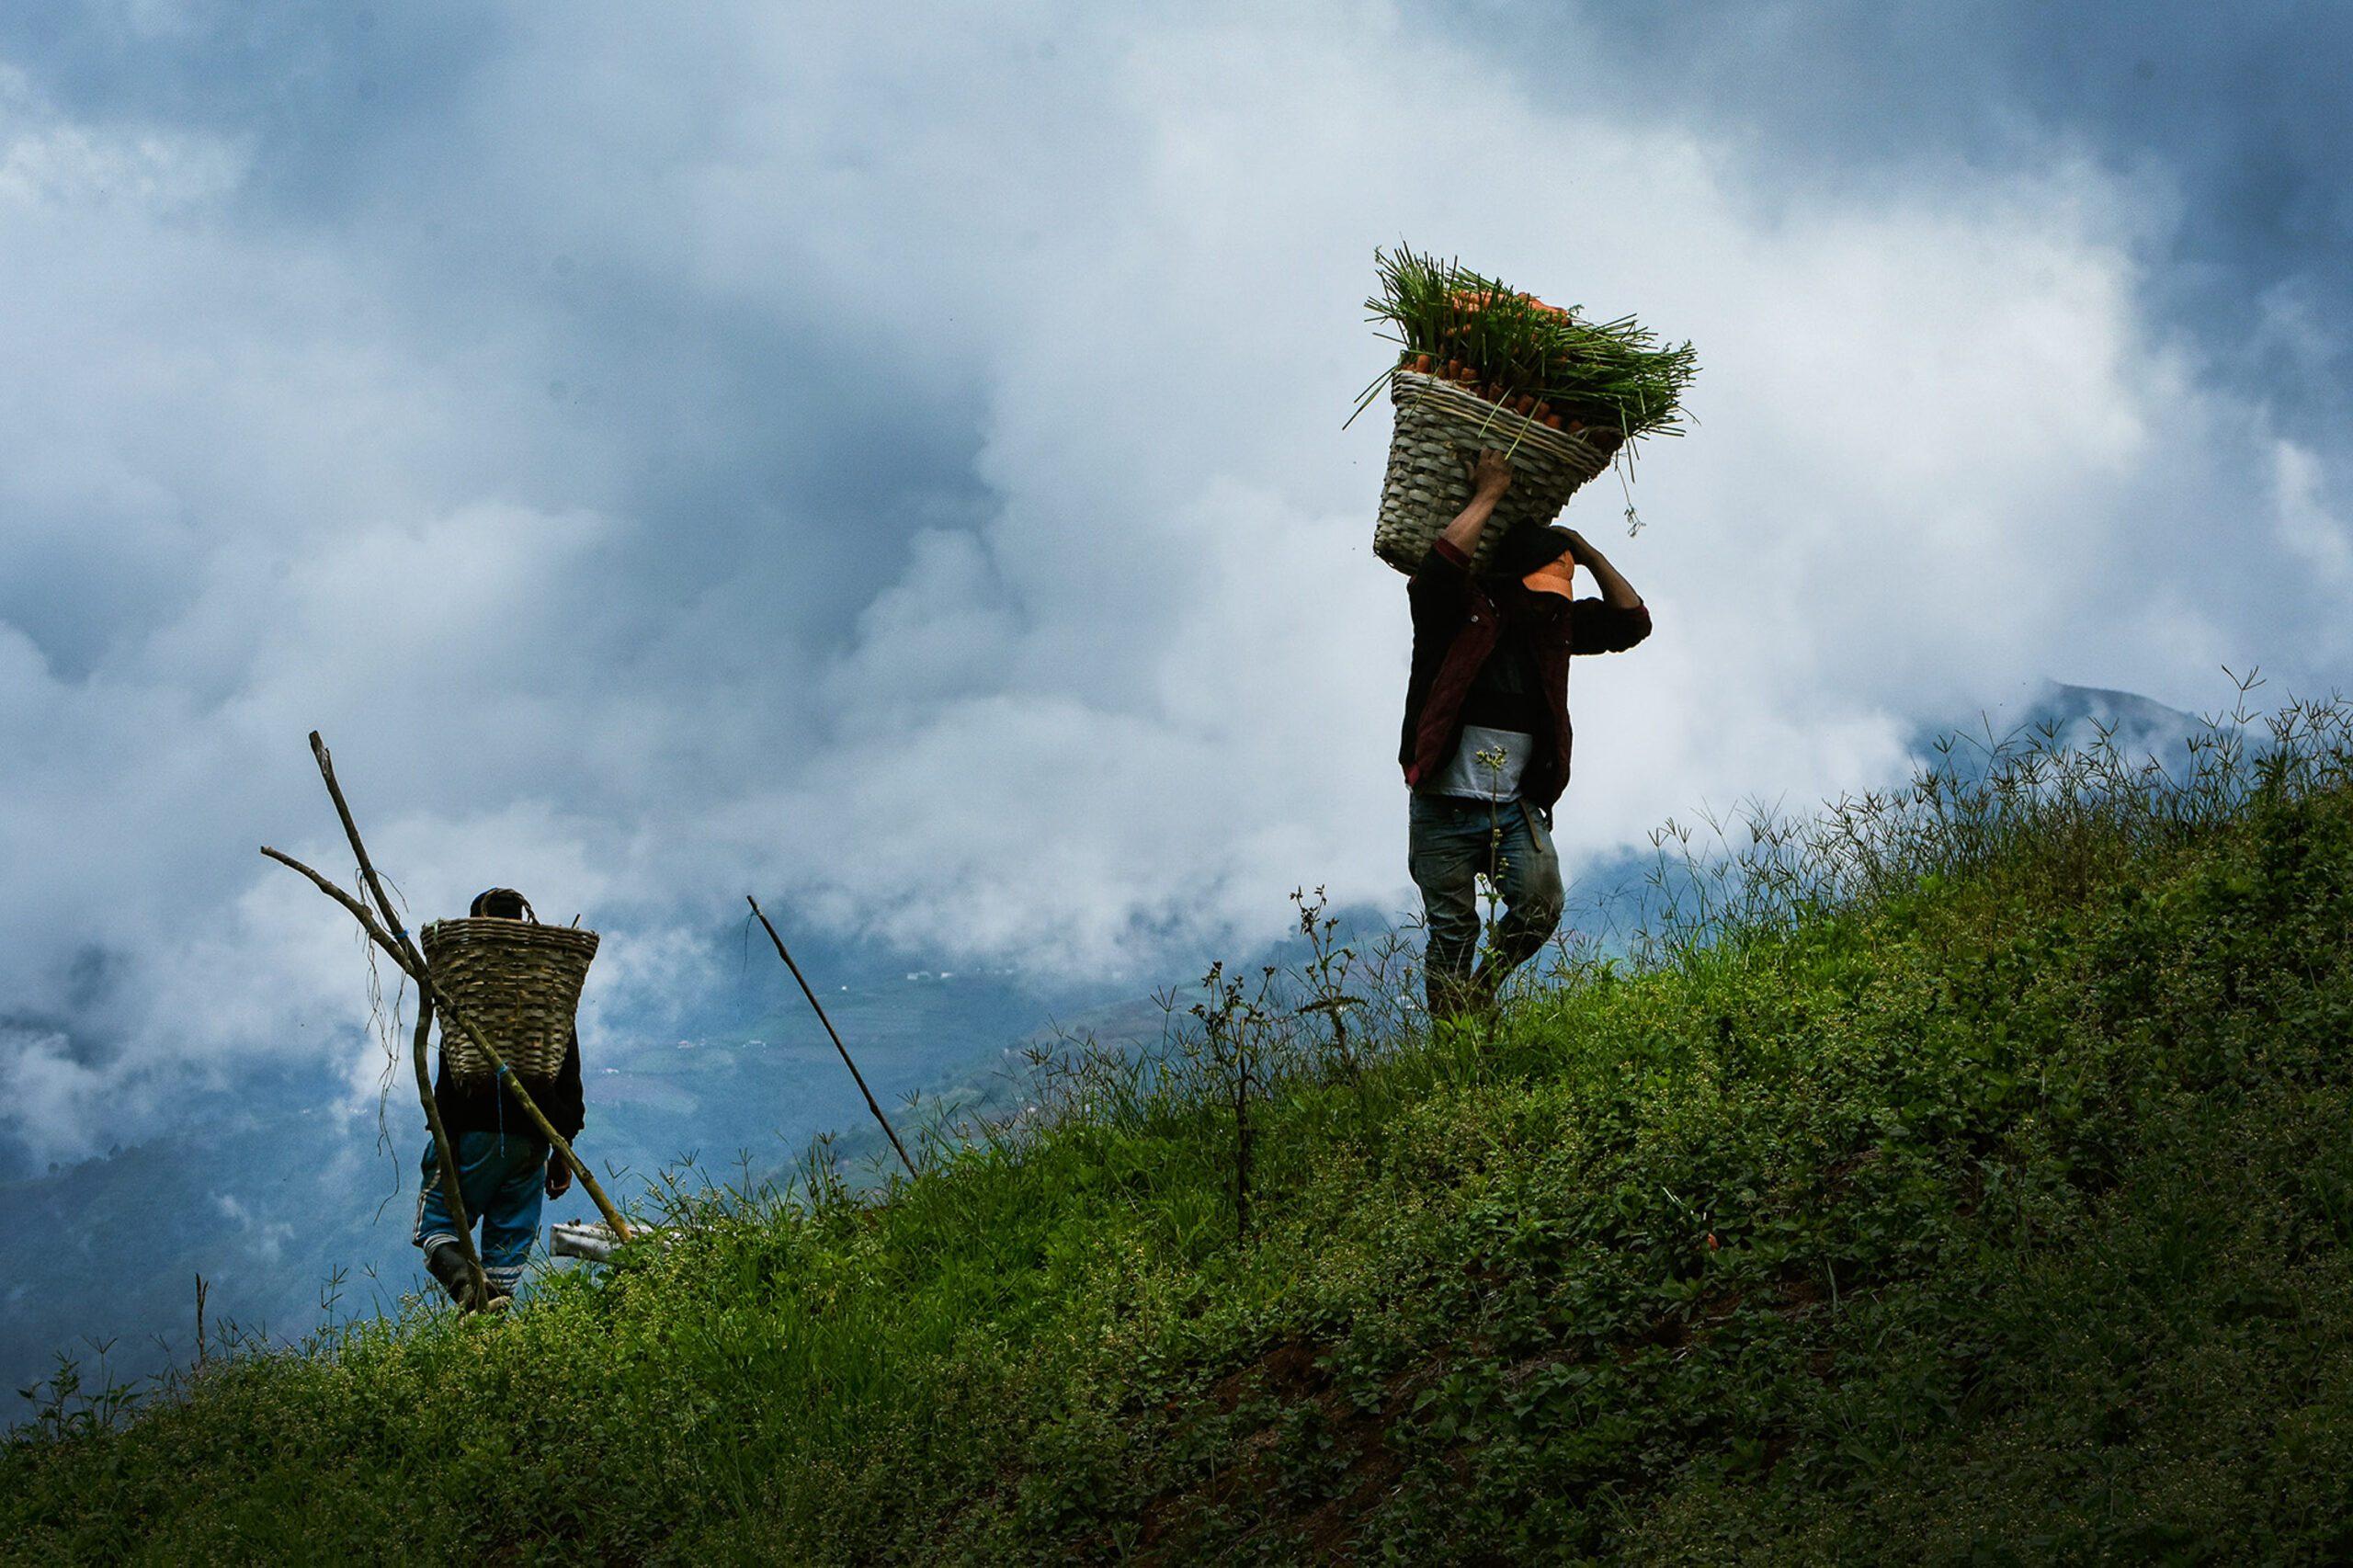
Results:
890 456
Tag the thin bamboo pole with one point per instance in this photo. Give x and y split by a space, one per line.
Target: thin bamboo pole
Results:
854 1073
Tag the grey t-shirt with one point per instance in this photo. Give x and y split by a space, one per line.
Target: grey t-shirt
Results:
1486 765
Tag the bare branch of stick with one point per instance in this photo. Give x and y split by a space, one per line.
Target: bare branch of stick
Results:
359 911
820 1006
359 850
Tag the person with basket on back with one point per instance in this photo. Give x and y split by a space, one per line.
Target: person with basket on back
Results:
1485 744
506 1164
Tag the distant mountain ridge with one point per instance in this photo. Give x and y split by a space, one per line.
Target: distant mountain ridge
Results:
2070 718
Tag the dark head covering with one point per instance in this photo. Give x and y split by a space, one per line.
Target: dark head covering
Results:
506 904
1528 546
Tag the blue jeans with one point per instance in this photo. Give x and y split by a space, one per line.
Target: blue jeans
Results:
1456 840
500 1176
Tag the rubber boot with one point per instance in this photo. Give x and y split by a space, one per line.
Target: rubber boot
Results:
1479 999
1447 994
445 1261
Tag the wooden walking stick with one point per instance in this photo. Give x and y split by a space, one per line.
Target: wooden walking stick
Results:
854 1073
446 1153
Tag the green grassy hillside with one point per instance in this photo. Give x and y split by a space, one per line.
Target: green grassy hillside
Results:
1958 1177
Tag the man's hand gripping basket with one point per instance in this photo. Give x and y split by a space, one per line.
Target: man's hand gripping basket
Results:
517 980
1440 430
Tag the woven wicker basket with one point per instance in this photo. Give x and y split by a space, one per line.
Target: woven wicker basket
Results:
517 980
1440 431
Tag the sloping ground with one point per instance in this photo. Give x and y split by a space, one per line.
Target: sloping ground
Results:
1999 1217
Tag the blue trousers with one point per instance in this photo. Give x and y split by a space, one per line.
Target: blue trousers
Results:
1454 842
500 1175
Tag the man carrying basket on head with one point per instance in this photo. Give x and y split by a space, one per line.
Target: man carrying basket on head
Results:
504 1164
1486 745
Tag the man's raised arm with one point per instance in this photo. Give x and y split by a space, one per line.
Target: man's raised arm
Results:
1619 620
1615 591
1490 477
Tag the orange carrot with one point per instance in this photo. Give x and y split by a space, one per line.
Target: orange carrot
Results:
1553 420
1522 403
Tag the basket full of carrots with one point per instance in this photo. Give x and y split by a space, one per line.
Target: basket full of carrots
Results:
1482 365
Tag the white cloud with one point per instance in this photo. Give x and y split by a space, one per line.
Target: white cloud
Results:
1129 672
2307 529
46 163
266 1237
48 1101
1930 423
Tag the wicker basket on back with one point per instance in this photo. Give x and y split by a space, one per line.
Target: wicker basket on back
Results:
517 980
1440 431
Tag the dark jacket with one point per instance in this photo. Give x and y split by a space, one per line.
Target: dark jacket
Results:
1459 621
484 1106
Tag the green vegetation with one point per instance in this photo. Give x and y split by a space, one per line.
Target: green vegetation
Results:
1543 360
1961 1178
